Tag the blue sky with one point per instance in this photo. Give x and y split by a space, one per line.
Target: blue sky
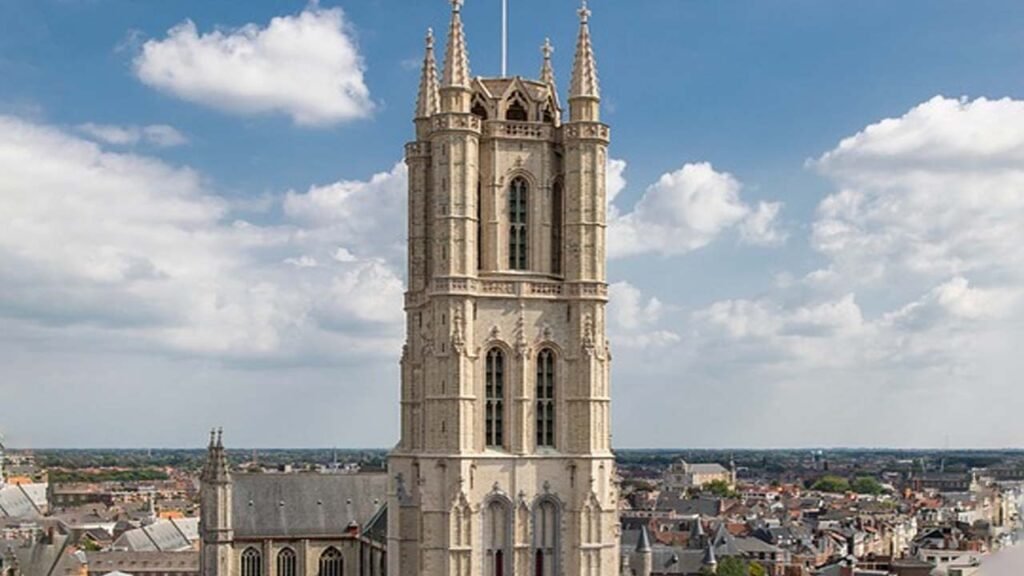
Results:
873 302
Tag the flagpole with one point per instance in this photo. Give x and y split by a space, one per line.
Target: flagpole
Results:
504 38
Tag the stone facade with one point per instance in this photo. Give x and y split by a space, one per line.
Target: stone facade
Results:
294 524
504 466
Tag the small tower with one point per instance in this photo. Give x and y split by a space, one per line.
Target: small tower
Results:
643 556
709 561
697 536
215 510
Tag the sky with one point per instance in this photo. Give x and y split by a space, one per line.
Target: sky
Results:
815 225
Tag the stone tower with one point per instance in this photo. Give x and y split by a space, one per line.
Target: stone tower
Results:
215 510
504 466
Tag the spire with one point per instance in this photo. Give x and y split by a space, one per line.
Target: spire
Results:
584 70
456 58
709 557
697 532
428 102
547 72
643 543
215 470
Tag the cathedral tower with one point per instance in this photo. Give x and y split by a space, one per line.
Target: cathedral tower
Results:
504 466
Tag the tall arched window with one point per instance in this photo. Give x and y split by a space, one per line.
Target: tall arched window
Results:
286 563
556 228
494 393
252 562
497 538
545 538
546 398
331 563
517 217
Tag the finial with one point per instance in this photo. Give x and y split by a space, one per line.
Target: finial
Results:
547 73
213 437
456 63
220 437
428 100
584 12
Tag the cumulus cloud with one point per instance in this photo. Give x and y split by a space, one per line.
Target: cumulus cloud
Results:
141 253
686 210
634 320
306 66
160 135
934 194
924 226
365 216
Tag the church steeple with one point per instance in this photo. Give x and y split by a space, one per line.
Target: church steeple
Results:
456 58
584 94
428 100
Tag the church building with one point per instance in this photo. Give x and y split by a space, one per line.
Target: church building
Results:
504 467
504 464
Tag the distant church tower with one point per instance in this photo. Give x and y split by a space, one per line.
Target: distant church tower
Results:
504 467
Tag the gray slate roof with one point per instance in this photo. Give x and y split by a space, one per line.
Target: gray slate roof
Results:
143 562
22 501
298 505
161 536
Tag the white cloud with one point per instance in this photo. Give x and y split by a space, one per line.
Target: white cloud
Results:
634 321
686 210
936 193
158 134
144 256
306 66
924 227
362 216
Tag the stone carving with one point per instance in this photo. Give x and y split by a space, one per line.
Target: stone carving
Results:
458 333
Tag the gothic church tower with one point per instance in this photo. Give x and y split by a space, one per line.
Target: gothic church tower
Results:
504 467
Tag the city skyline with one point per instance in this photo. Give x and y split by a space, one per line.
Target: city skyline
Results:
814 219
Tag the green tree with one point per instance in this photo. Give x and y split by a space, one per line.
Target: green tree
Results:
719 488
832 484
733 566
866 485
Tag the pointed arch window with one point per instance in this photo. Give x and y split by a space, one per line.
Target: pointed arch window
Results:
518 203
546 523
252 562
546 398
516 110
286 563
556 228
494 384
497 538
479 109
331 563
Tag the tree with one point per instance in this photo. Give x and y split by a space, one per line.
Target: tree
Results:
733 566
866 485
719 488
832 484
